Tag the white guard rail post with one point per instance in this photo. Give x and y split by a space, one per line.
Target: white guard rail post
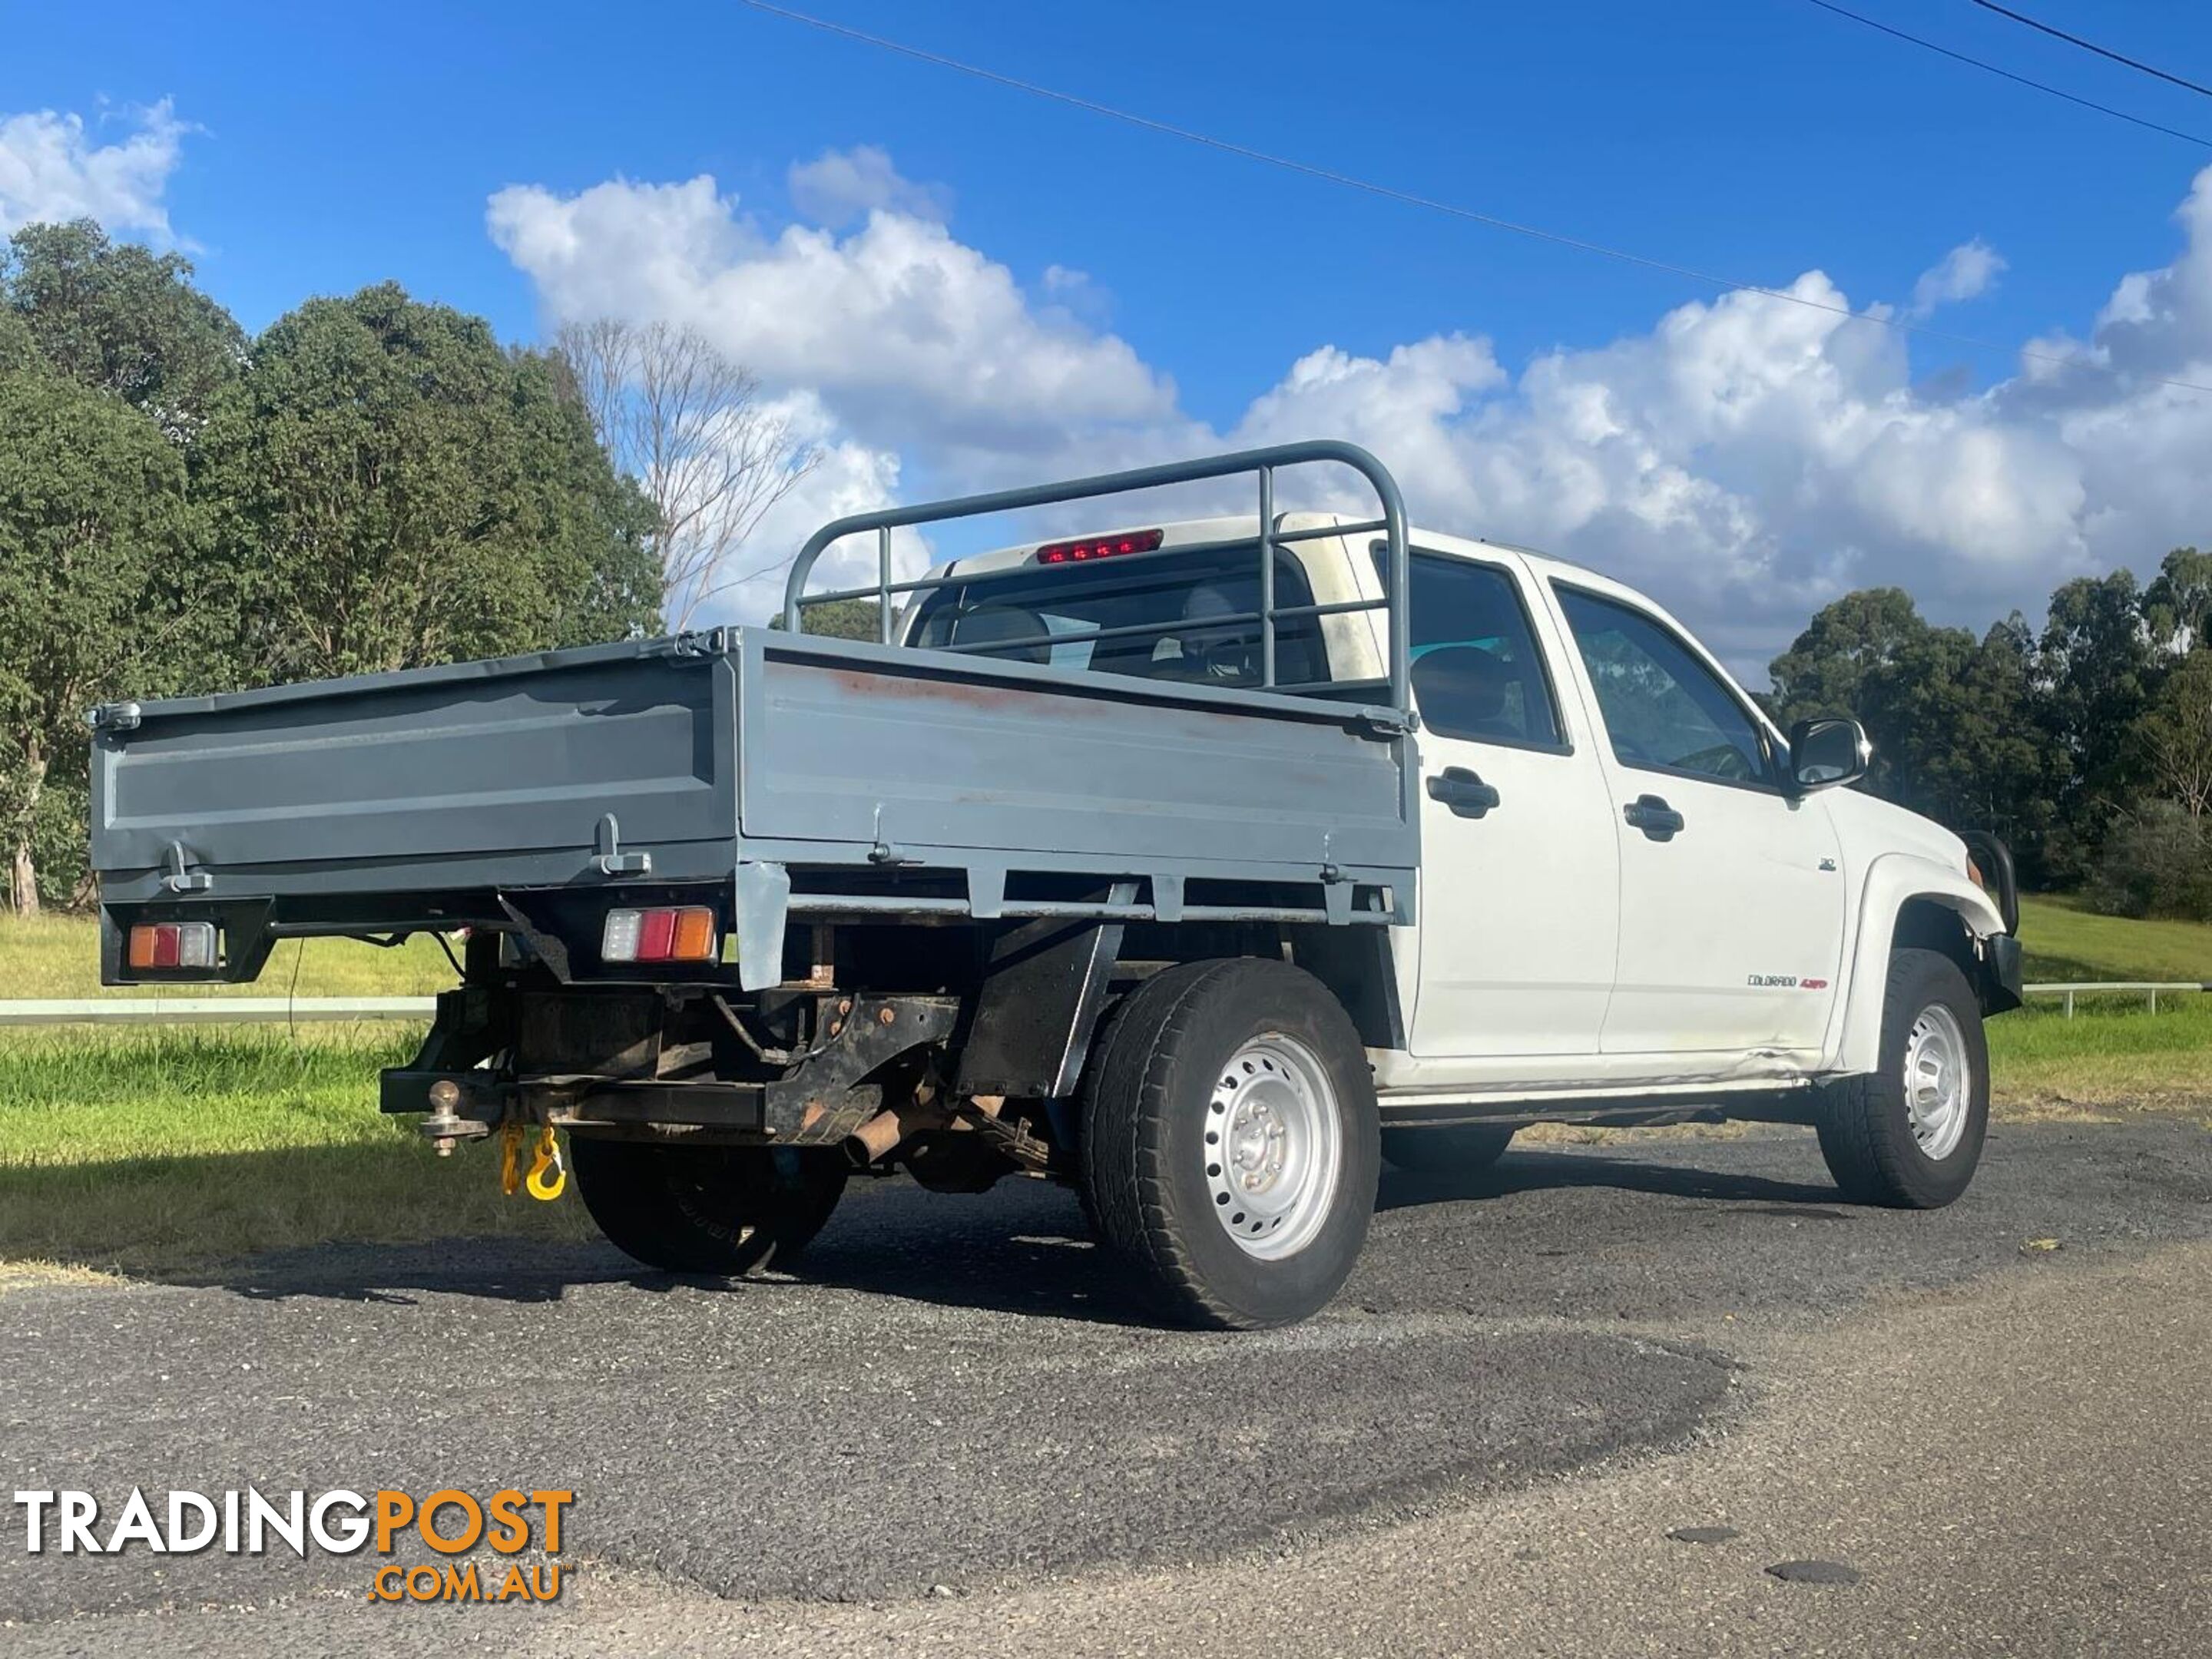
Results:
2115 987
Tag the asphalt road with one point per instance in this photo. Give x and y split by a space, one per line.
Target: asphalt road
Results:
950 1436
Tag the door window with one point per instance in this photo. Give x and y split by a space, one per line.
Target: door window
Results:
1476 671
1664 710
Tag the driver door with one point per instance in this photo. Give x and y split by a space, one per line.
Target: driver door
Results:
1732 893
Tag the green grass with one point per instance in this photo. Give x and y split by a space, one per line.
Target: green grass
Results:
160 1152
2115 1051
2063 940
58 956
2112 1053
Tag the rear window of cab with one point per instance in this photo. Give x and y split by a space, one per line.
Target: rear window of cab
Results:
1183 606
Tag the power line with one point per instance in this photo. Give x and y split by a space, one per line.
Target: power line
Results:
2040 86
1389 192
2091 45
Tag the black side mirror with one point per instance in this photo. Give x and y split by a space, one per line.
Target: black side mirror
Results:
1823 753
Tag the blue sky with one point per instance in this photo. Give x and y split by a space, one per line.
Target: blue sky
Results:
323 149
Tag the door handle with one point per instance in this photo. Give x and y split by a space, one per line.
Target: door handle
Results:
1653 816
1462 791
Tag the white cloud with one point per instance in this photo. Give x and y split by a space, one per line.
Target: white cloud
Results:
900 327
841 185
1744 460
2157 320
51 170
1964 273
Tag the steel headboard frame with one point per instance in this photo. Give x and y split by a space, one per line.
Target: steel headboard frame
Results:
1262 463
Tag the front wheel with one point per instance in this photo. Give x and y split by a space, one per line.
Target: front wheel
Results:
1229 1147
1909 1134
728 1210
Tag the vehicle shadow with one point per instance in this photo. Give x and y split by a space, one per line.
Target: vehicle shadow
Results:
1023 1249
1539 1170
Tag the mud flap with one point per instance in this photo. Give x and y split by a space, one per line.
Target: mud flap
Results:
762 903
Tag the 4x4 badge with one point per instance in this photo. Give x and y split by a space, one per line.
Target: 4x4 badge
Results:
1827 864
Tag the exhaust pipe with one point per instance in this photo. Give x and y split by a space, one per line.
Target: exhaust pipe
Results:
877 1137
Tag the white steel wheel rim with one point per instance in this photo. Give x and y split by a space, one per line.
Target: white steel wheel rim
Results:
1939 1081
1273 1147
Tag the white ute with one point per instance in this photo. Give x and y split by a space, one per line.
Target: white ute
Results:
1200 866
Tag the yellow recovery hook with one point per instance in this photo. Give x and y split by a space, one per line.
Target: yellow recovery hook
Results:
547 1177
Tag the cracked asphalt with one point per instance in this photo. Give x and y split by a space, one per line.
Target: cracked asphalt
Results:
951 1435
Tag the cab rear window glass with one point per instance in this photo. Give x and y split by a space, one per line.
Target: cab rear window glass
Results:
1191 600
1476 671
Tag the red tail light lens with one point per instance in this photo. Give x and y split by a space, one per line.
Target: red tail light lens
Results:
656 936
1099 547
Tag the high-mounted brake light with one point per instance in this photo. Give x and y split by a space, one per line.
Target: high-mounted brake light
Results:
188 945
1099 547
667 933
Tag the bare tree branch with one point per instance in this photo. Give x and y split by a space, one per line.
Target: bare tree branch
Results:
690 425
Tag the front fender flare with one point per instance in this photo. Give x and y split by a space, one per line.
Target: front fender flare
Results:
1891 880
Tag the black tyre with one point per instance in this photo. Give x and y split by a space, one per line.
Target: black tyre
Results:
723 1210
1910 1133
1458 1150
1228 1150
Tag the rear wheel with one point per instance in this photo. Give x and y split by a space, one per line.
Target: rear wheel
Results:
1445 1150
1229 1148
1909 1134
724 1210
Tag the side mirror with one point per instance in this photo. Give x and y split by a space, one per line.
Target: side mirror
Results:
1823 753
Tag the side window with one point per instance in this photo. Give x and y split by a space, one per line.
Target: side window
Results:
1476 671
1662 707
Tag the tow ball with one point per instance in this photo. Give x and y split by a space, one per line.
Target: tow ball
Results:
445 1125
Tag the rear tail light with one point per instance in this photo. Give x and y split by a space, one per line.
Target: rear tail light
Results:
174 945
685 934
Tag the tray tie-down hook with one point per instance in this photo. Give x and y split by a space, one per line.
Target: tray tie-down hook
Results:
885 850
182 879
612 860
